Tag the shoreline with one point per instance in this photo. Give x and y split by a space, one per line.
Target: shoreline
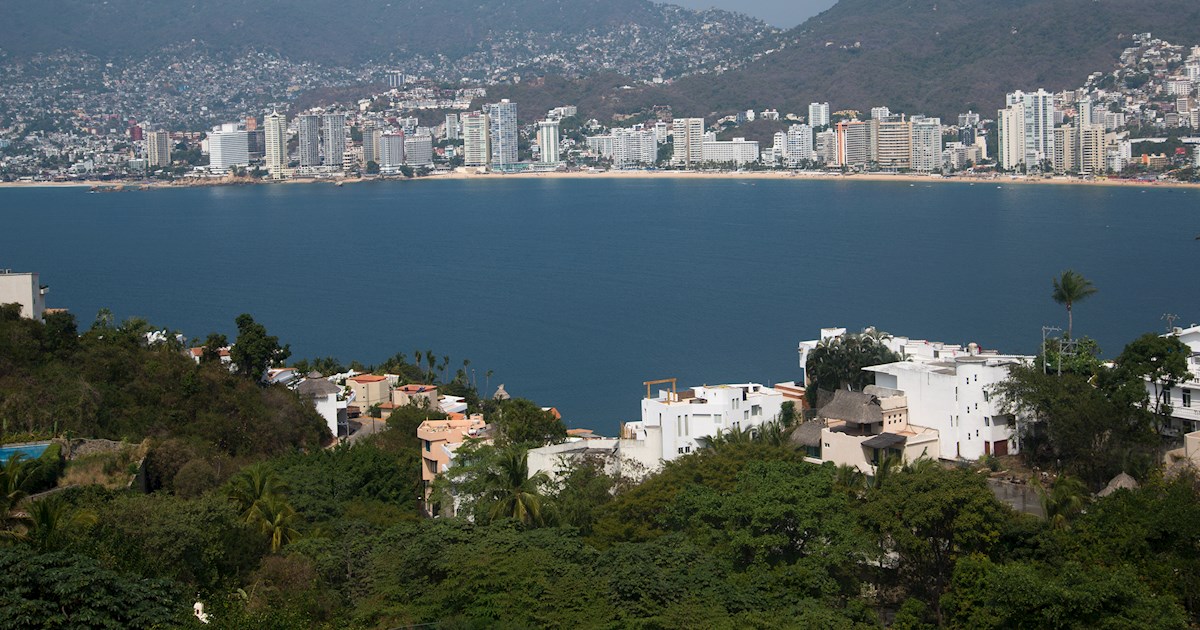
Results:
464 174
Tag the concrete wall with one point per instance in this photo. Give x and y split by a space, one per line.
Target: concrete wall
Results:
23 289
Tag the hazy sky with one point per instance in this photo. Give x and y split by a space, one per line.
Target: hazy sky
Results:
783 13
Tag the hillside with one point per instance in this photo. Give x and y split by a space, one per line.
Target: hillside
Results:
454 36
938 57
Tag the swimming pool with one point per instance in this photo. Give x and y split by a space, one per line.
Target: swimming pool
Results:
31 451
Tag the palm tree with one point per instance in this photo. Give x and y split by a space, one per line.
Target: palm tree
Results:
512 492
252 487
12 522
1062 502
276 518
1069 288
52 521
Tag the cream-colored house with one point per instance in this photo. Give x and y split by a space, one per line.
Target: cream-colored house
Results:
369 390
422 395
439 440
860 429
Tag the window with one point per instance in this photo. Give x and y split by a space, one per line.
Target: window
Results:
745 415
986 397
427 446
717 419
1187 398
756 410
681 450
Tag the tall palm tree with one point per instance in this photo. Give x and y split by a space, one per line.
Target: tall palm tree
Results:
1069 288
252 487
13 523
52 521
276 518
512 492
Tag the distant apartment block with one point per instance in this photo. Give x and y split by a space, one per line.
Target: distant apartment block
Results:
276 137
476 139
502 127
548 141
227 147
818 115
158 149
689 142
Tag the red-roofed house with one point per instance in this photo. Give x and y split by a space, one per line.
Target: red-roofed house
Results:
369 390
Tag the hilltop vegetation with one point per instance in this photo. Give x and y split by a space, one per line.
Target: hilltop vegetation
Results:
360 31
273 532
938 57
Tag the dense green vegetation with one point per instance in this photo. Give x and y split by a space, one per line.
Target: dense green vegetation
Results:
744 533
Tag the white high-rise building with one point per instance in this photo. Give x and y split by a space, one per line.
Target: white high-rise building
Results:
631 148
158 149
333 139
1039 125
391 151
276 136
418 150
799 145
689 142
818 115
893 143
1010 122
926 144
880 113
309 132
227 147
477 144
502 118
452 127
548 141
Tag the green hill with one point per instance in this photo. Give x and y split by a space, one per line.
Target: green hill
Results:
348 33
938 57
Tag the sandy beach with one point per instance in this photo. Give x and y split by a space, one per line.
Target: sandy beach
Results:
472 174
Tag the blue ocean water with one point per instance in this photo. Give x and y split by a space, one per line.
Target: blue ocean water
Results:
576 291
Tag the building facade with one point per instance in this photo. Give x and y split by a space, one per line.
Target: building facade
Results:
477 144
26 290
688 136
227 147
502 121
309 140
818 115
333 139
275 136
158 149
548 141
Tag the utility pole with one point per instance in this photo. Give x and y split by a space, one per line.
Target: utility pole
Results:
1046 330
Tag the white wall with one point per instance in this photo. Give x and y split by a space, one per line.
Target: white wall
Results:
23 289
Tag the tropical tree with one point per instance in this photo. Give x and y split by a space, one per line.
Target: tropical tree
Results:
277 519
13 523
255 350
1063 501
838 362
1069 288
52 522
512 492
254 487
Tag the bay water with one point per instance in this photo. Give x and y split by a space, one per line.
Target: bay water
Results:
575 291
